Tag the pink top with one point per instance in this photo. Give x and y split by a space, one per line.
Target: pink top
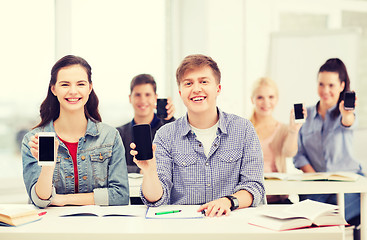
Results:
269 155
270 161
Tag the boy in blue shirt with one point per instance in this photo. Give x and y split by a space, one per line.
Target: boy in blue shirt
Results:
207 157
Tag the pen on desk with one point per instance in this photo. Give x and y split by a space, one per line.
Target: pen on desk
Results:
41 213
167 212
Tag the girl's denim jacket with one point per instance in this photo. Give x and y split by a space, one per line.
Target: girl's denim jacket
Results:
101 166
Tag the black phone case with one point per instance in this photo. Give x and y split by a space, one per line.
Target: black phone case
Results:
298 111
161 108
143 141
349 100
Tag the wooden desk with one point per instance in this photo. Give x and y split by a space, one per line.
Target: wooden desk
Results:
233 227
277 187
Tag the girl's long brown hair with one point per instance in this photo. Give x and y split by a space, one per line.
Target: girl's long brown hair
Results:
50 107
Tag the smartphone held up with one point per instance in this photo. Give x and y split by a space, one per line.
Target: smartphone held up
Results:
143 141
298 113
161 108
46 148
349 100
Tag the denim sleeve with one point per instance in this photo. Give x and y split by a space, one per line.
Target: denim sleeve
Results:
118 184
31 170
252 168
40 202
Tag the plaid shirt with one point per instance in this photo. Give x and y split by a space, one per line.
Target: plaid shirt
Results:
187 176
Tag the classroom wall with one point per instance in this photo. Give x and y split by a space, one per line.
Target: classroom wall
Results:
237 34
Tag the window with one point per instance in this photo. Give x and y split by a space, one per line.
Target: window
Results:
27 54
119 39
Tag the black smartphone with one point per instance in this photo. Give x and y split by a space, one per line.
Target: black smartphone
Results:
143 141
349 100
298 113
161 108
46 149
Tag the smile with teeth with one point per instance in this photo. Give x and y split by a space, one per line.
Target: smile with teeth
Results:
73 99
198 98
143 107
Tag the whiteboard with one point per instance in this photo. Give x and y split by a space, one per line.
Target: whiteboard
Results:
295 58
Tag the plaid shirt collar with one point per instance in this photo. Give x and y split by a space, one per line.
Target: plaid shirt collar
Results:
185 128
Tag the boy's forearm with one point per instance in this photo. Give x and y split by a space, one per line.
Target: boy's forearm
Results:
245 198
151 186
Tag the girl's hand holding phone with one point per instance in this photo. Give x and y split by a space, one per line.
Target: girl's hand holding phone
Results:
43 147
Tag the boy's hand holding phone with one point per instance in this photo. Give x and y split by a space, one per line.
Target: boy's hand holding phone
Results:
165 108
144 165
142 138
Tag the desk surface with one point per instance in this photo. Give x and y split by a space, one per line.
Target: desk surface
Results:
234 226
274 187
278 187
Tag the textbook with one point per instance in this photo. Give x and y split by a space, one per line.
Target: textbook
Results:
282 176
331 176
317 176
306 213
103 211
17 214
174 211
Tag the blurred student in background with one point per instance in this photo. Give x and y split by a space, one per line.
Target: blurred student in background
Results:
278 140
90 164
325 141
143 98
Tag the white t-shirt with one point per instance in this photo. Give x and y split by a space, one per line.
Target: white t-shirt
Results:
206 136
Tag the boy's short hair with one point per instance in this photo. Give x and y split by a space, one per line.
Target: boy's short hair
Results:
143 79
197 61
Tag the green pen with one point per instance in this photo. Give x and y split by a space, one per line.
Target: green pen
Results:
167 212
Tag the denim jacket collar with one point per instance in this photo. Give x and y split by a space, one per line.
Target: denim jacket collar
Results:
92 128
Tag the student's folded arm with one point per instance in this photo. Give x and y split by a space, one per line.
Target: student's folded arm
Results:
72 199
164 170
252 168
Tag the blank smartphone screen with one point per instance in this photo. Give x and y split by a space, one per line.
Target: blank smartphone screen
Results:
143 141
161 108
46 148
298 111
349 99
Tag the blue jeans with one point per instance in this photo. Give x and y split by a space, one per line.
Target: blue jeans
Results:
352 202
